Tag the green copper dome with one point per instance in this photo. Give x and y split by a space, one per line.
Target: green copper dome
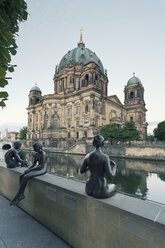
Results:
134 80
80 56
35 88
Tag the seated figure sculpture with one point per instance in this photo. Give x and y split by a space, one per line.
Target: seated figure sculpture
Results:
99 166
38 168
15 157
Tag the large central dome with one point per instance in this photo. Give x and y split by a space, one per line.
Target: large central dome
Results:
80 56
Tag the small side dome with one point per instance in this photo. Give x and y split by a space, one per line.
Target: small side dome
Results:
133 80
35 88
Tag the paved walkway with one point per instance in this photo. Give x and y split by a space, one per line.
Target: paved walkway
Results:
19 230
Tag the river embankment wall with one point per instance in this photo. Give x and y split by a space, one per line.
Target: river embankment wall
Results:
137 152
121 151
144 152
62 205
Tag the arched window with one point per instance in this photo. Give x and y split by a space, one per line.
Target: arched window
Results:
78 110
36 100
86 108
138 93
69 112
56 124
131 94
86 79
96 77
85 134
77 135
131 118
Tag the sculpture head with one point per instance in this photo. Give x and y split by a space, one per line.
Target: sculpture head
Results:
98 141
17 145
37 147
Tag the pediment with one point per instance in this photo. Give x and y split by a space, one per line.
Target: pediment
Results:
115 99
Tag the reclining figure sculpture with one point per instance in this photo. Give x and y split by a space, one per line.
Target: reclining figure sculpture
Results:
38 168
99 166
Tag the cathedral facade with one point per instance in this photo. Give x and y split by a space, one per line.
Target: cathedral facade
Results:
80 104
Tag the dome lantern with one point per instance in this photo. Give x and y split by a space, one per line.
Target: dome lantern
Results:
81 43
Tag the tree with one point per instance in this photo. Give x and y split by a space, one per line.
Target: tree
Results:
110 132
12 12
22 133
159 132
150 138
130 132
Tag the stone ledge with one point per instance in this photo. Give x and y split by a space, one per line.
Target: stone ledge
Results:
62 205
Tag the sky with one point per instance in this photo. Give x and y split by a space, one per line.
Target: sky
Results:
127 35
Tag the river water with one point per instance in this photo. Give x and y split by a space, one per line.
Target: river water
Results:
148 176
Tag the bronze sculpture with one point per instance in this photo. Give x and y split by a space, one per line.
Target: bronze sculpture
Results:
15 156
38 168
99 166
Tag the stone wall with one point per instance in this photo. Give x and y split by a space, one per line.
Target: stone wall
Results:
123 151
61 204
140 152
145 152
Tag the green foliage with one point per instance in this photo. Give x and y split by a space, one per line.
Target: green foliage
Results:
159 132
130 132
22 133
12 12
110 132
150 138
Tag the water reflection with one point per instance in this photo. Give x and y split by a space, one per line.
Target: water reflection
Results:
156 188
64 165
147 176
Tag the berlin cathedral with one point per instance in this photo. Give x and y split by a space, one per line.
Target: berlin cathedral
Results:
80 104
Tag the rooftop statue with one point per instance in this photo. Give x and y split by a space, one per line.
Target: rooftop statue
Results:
38 168
100 167
15 156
